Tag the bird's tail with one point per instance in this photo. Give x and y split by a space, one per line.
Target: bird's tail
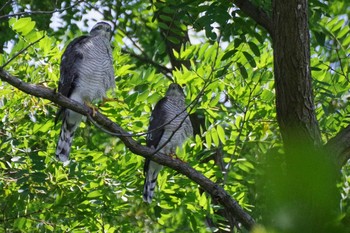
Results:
151 173
70 123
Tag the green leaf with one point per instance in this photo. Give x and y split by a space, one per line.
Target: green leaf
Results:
166 18
208 139
176 54
23 25
215 137
39 177
267 95
346 42
243 71
163 26
143 96
203 200
202 50
94 194
254 48
173 40
221 133
168 10
154 98
320 37
20 223
338 25
332 22
46 127
229 54
250 59
125 69
344 31
49 227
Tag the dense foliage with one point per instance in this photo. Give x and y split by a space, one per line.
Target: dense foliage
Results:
226 67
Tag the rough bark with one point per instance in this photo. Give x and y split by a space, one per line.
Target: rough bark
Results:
339 146
217 192
294 95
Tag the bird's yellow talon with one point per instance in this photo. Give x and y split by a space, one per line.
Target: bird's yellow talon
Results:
105 100
93 108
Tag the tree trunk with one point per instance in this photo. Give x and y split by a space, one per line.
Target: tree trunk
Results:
307 192
294 96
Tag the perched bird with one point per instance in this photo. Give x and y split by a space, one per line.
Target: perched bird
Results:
169 127
86 73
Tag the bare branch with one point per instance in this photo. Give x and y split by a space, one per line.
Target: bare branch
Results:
39 12
256 13
217 192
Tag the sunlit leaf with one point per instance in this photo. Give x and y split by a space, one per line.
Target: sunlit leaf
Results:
221 133
94 194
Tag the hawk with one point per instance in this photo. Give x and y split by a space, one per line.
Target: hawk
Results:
169 127
86 73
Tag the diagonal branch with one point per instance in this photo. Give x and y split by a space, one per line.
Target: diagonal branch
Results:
217 192
256 13
21 51
3 6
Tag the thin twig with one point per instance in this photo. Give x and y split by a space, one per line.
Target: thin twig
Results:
21 51
39 12
341 64
240 131
5 5
332 69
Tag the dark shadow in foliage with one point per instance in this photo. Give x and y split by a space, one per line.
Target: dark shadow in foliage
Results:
300 192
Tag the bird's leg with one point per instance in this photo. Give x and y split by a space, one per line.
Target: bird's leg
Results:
105 100
93 108
174 156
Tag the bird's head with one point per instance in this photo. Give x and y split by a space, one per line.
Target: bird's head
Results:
175 90
102 29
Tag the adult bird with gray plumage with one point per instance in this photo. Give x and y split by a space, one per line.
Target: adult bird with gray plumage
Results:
168 129
86 75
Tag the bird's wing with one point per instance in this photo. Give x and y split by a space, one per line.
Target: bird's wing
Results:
158 118
70 65
69 70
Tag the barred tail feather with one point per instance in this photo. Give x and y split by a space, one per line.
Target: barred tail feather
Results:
150 181
70 123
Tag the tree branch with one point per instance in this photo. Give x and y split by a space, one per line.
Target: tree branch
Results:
217 192
339 146
39 12
256 13
3 6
